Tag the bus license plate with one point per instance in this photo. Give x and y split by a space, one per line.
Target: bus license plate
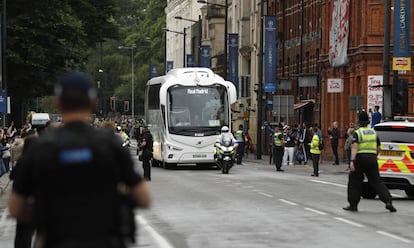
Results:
199 155
391 153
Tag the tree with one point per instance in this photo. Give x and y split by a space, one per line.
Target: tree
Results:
48 37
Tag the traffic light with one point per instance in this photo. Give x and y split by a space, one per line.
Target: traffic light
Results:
400 97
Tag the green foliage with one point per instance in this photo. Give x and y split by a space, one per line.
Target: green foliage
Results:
48 37
141 23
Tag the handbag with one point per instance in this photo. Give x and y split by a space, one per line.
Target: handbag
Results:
6 154
140 156
299 156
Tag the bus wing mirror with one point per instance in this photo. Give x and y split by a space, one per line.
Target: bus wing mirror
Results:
232 92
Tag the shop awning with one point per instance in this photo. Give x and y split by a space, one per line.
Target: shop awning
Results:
303 104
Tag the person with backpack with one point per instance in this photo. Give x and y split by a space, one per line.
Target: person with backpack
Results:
146 148
315 151
72 181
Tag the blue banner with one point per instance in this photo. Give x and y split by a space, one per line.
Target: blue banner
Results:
270 60
3 102
402 23
170 66
154 71
205 56
190 60
233 61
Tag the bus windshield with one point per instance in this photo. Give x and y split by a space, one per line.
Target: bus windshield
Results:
197 110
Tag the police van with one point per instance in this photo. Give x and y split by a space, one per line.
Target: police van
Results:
396 157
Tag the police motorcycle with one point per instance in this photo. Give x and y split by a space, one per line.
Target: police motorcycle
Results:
125 138
226 150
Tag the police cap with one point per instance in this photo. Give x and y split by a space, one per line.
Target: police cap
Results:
75 91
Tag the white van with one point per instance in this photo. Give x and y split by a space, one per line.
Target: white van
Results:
40 119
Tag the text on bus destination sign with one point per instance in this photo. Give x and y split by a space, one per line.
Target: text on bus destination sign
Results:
197 91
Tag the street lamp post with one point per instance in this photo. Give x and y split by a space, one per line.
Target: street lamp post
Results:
182 33
199 33
226 13
132 47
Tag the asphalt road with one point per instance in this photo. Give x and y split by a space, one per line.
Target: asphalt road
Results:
255 206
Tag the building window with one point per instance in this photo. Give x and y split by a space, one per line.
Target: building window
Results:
245 86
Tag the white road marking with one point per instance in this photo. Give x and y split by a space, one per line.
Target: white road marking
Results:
329 183
288 202
315 211
248 187
161 241
349 222
395 237
267 195
397 195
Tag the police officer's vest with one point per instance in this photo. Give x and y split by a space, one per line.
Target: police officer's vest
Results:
240 136
367 139
277 141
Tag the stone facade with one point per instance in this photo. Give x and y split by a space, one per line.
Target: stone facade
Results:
188 9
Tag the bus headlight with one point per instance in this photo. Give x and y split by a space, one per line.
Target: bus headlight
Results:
173 148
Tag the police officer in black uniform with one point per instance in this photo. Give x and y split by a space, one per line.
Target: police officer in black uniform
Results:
364 152
73 177
146 147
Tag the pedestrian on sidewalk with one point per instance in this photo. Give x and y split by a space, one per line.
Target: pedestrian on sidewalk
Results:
334 134
365 147
348 143
79 178
315 151
290 143
376 117
304 141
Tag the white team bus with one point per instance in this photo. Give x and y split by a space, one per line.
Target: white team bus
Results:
185 110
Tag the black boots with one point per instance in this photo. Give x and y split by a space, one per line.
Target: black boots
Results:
390 207
351 208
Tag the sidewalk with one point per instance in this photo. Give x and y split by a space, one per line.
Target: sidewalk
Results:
4 183
325 166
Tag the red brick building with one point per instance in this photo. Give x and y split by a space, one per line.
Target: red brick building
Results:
365 53
299 35
304 28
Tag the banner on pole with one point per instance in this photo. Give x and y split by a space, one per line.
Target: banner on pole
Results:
170 66
154 71
402 24
270 59
3 102
339 33
190 60
233 61
205 56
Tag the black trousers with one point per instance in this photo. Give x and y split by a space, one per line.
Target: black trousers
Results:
24 235
146 165
315 162
278 156
335 152
366 164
